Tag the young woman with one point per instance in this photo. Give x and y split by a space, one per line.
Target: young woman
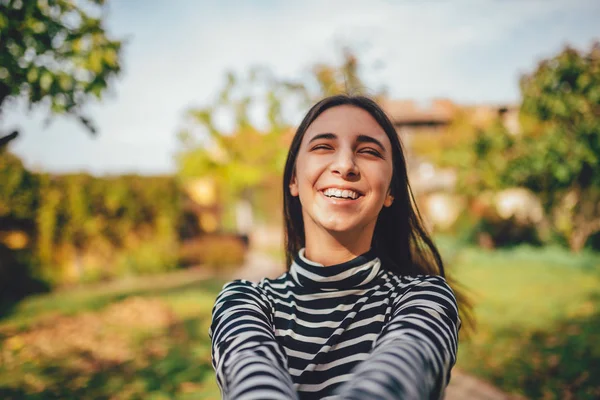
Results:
364 311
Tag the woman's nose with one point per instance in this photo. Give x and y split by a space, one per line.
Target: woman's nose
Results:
344 165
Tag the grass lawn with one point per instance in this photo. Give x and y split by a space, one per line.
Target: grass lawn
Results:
538 331
538 320
140 339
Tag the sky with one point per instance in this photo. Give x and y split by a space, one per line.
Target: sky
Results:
177 53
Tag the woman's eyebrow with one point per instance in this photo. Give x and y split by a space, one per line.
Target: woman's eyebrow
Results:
323 136
370 139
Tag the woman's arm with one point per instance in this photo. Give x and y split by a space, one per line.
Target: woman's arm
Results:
248 360
413 356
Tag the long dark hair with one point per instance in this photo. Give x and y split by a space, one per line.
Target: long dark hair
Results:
400 239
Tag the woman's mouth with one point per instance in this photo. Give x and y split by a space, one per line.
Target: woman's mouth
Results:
341 194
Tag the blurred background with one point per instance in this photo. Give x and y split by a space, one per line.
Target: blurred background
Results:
141 152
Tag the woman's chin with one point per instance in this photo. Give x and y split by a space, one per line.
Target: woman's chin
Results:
338 223
342 227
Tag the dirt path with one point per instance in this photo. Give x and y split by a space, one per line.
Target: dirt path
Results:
463 386
257 267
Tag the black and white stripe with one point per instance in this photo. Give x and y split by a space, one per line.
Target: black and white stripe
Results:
348 331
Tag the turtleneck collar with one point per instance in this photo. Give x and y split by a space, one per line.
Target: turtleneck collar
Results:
356 272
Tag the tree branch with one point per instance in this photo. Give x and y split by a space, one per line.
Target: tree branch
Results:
4 140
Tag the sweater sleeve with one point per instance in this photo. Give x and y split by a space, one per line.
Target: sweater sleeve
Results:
413 355
248 360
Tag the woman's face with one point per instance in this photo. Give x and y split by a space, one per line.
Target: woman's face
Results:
343 172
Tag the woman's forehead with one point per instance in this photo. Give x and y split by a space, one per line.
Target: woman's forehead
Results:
346 122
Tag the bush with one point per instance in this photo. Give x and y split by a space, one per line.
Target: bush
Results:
146 258
562 363
215 251
85 228
17 278
483 225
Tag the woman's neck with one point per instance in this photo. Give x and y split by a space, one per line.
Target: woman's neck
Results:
331 249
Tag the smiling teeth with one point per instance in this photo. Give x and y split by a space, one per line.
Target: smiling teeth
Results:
344 194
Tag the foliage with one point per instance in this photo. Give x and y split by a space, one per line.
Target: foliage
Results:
336 79
17 276
17 200
219 252
492 231
84 228
55 52
556 152
491 152
246 158
569 355
562 148
83 219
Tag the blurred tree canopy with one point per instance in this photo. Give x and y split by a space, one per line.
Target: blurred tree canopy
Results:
556 154
77 227
336 79
245 154
475 146
561 146
246 159
55 52
18 198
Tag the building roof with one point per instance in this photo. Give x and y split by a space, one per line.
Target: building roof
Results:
409 112
436 112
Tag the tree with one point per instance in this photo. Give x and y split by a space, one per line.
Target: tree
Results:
55 52
248 159
561 145
343 78
557 152
245 158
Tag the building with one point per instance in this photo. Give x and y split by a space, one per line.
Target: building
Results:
433 119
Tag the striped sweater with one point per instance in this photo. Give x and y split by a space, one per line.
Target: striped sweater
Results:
347 331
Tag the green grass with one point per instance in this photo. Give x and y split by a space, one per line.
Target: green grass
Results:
97 296
538 315
538 319
138 339
517 291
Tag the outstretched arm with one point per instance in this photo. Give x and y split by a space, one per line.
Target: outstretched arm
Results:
248 360
413 356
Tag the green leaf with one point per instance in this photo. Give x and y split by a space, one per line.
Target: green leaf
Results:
46 80
32 75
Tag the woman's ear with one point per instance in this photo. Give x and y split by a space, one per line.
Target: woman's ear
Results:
389 199
294 186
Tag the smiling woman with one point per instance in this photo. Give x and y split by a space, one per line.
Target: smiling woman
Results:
364 311
330 167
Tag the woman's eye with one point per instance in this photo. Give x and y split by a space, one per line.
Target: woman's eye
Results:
371 152
321 147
